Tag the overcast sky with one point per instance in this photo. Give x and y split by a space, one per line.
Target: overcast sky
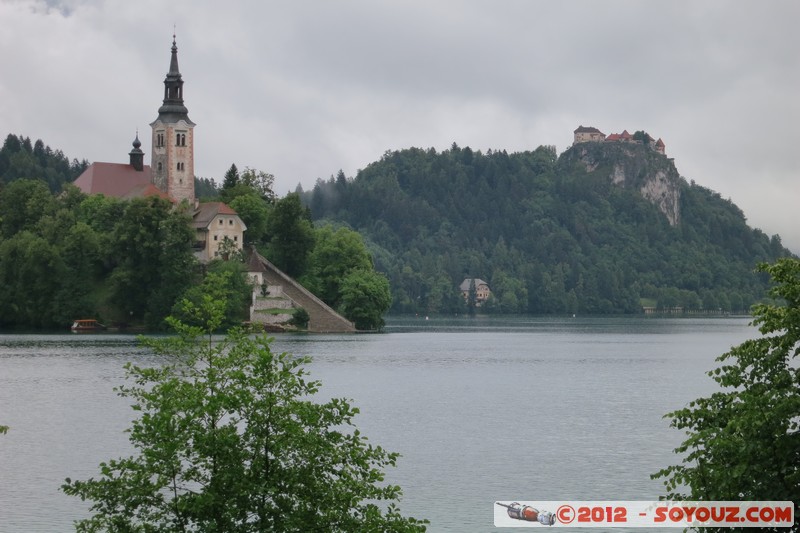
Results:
302 89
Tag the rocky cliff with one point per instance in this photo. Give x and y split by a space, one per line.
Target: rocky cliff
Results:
633 166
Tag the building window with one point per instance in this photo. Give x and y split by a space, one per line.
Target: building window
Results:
159 166
235 238
160 139
180 139
216 237
181 166
220 222
230 222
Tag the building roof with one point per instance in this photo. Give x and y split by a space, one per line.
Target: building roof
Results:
587 129
207 212
467 281
659 142
118 180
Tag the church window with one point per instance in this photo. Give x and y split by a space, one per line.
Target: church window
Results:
180 166
159 166
160 139
180 139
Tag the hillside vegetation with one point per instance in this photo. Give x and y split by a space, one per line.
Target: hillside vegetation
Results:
604 228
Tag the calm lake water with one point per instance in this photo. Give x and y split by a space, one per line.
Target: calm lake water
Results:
480 409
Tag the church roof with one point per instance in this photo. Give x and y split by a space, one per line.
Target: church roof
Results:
118 180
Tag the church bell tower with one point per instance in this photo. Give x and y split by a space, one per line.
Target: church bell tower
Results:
172 156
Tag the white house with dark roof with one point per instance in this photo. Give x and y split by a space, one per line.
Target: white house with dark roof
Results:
482 291
214 224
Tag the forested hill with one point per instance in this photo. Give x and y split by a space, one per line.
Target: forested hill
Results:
19 158
604 228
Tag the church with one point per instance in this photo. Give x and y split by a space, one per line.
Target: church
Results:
170 173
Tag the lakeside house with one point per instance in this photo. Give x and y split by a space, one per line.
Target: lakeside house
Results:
482 291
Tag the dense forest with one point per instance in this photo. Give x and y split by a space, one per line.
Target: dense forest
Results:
19 158
602 228
569 234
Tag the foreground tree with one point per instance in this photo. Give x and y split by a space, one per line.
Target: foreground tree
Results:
230 440
744 442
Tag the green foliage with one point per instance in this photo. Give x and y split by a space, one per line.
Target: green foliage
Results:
231 178
365 297
744 441
206 189
248 182
290 235
22 204
300 318
254 212
3 430
226 282
549 236
336 254
152 251
230 439
19 159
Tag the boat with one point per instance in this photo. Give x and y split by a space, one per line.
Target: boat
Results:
87 324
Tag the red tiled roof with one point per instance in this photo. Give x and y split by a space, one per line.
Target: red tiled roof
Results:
613 137
659 142
117 180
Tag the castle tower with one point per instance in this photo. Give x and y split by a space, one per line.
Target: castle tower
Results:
172 156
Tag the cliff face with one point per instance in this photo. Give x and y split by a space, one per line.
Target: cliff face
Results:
633 166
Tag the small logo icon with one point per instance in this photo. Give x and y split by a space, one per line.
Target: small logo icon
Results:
527 513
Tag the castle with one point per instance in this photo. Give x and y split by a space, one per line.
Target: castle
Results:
590 134
170 173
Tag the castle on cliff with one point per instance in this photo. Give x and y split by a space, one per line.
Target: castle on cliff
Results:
591 134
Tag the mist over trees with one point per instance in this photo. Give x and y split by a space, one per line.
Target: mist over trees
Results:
548 236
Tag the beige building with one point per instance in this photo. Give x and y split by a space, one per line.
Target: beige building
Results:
588 134
482 291
218 231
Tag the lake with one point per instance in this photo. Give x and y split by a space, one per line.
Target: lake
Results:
481 409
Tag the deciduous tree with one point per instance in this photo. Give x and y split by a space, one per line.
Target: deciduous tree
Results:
230 439
744 441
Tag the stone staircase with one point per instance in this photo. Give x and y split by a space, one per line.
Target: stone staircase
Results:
284 293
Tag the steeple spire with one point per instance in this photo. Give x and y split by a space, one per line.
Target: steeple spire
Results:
172 157
173 107
173 63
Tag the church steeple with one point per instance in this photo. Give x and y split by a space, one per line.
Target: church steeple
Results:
172 157
173 89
